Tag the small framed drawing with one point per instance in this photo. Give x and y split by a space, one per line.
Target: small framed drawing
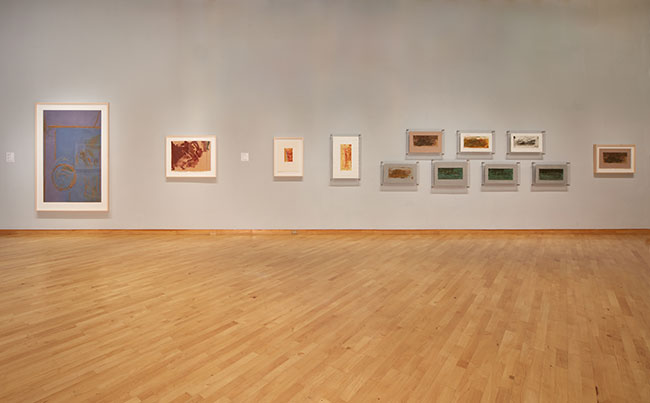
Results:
399 174
526 143
288 159
500 174
614 159
450 174
479 143
191 156
550 174
345 157
424 144
72 157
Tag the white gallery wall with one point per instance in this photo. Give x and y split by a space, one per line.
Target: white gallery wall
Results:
249 70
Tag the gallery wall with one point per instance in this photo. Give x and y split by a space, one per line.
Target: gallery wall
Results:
246 71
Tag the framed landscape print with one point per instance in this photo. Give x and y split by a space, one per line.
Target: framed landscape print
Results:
474 142
526 142
72 157
399 174
550 174
500 174
345 156
614 159
424 143
191 156
288 157
450 174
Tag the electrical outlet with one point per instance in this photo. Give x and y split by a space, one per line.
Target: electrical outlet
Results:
10 157
244 156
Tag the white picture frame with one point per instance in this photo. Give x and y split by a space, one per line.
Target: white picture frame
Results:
72 163
191 156
475 142
614 159
345 152
288 157
526 142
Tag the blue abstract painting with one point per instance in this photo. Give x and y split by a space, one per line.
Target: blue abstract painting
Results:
72 156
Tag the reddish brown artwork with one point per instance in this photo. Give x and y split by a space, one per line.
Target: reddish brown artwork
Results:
425 142
192 156
288 155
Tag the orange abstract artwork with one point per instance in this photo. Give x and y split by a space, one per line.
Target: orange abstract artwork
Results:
400 173
346 157
477 142
288 155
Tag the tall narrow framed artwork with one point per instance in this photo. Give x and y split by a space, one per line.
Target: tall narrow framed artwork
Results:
526 143
399 174
424 144
288 158
72 156
476 143
614 159
550 174
345 157
450 174
191 156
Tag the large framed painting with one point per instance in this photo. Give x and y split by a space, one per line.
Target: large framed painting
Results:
614 159
191 156
288 159
475 142
72 157
450 174
424 144
550 174
399 174
526 142
500 174
345 157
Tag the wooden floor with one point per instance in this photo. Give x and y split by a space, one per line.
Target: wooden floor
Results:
454 316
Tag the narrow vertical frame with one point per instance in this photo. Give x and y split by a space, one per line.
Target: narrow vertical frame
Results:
64 175
339 175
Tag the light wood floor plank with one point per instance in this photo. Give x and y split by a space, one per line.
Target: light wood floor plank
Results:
459 316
